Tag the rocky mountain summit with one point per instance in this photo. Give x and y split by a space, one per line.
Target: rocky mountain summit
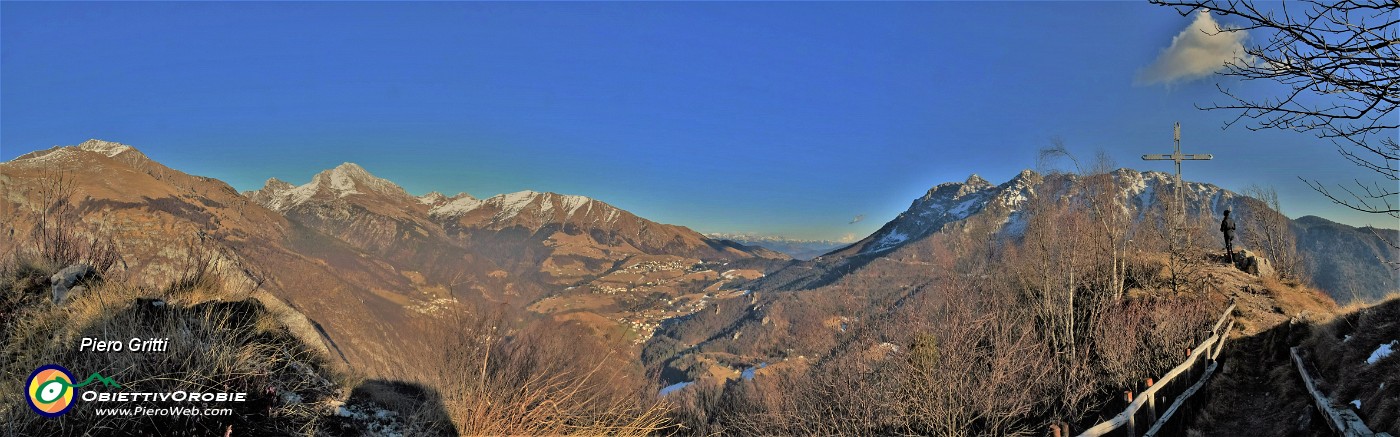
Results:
1142 197
952 202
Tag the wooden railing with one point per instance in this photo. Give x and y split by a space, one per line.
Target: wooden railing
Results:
1143 417
1342 420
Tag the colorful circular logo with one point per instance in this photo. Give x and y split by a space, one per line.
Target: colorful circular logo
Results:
50 390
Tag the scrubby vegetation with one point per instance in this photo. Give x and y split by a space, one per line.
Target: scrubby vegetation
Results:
545 379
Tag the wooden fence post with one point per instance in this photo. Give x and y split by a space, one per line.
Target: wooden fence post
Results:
1151 404
1131 426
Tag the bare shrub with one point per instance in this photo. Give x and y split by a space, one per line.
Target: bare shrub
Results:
497 381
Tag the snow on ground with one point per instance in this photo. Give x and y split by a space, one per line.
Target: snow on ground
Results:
961 211
673 387
573 203
456 207
512 203
108 148
341 181
373 420
1383 351
889 241
1356 403
748 373
431 198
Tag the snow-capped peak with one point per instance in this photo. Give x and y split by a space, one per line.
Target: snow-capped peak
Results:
432 198
511 205
955 201
454 206
343 180
974 183
109 148
276 185
347 178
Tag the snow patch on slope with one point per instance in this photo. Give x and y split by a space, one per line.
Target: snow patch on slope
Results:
1383 351
109 148
455 207
889 241
432 198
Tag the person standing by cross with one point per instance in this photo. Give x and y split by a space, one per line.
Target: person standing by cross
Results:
1227 227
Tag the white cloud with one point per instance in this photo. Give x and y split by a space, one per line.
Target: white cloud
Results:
1198 51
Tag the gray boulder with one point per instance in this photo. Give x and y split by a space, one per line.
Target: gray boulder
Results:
1253 263
65 280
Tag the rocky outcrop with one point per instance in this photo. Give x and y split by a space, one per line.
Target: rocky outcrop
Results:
64 283
1253 263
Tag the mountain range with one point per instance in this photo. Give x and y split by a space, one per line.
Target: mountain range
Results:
375 269
793 247
370 266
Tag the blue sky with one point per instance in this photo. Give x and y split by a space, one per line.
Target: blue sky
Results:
775 118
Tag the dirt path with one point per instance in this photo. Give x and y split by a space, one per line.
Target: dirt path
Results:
1258 392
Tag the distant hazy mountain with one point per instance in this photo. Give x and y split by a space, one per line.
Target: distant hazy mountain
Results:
1348 261
798 249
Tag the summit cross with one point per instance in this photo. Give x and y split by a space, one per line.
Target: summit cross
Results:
1176 154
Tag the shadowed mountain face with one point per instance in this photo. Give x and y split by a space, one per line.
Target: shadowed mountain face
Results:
1349 262
374 268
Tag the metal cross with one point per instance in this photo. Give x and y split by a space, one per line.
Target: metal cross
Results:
1176 154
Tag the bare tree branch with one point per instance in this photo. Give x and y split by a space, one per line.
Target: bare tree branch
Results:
1340 62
